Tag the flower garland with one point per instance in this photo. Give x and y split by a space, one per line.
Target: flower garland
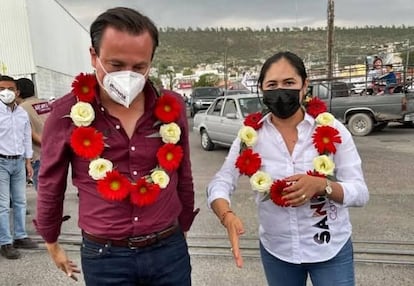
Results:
325 137
87 142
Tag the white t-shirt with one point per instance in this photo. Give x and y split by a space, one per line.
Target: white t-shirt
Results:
313 232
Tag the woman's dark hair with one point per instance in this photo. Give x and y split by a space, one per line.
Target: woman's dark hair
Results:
292 58
122 19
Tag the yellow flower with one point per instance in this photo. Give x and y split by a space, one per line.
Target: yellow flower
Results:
170 133
324 165
261 181
325 118
307 99
248 135
161 178
99 167
82 114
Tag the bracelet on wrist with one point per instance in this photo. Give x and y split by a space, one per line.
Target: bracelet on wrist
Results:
223 216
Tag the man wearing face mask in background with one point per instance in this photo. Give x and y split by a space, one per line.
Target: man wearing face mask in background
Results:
15 156
135 213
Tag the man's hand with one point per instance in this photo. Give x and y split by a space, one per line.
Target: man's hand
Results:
29 168
62 261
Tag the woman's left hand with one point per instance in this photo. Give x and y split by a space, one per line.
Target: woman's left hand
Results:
302 188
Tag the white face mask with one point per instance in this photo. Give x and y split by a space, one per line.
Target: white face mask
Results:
7 96
123 86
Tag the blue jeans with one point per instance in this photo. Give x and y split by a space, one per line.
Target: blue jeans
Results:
12 186
166 262
338 271
36 167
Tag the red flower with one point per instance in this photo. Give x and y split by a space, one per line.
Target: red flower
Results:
324 139
167 109
315 107
84 87
87 142
276 192
114 186
315 174
169 156
144 193
253 119
248 162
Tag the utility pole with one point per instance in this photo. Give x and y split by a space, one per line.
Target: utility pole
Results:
330 38
225 70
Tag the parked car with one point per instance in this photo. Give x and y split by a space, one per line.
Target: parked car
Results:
202 97
220 123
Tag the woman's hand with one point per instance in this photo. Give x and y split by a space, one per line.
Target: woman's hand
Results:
235 229
303 188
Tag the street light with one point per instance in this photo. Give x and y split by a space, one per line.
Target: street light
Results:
225 70
228 43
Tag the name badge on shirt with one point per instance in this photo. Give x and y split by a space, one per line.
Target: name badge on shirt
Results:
42 107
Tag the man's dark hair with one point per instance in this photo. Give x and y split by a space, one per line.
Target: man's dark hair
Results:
122 19
26 87
389 65
7 78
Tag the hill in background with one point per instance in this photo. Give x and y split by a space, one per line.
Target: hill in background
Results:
186 48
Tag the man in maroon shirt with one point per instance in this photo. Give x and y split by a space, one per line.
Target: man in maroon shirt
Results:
129 152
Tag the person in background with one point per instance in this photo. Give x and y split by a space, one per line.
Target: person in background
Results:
377 69
38 111
128 148
390 79
305 171
15 156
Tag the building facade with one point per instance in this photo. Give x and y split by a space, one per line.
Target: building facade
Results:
40 40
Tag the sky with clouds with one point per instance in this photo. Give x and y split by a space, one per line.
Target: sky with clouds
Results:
255 14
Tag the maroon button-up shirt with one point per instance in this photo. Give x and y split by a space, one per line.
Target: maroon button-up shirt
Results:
133 157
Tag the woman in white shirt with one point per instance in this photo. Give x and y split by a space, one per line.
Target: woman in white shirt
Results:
306 172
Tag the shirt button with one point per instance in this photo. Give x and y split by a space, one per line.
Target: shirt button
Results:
102 109
136 218
133 148
135 173
117 127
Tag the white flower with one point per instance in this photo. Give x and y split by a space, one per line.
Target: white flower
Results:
99 167
248 135
324 165
261 181
161 178
170 133
325 118
82 114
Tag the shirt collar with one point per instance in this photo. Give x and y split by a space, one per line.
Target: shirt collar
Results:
4 107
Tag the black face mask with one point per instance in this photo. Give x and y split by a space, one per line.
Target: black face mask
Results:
282 102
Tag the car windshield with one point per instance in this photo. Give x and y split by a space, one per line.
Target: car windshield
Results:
207 92
250 105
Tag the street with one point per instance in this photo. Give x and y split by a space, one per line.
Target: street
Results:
388 158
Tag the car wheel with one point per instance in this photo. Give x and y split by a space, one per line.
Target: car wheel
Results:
206 142
360 124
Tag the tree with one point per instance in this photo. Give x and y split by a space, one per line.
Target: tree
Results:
208 79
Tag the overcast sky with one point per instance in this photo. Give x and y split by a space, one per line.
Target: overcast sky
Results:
253 13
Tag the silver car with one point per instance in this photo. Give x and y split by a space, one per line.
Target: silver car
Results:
220 123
